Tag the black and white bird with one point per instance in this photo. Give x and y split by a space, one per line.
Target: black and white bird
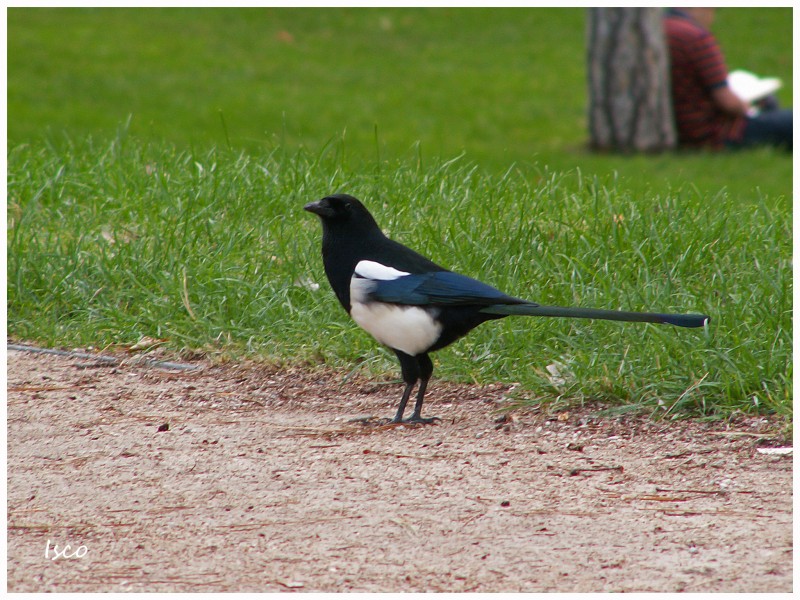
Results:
414 306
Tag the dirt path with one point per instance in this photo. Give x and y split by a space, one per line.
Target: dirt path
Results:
260 483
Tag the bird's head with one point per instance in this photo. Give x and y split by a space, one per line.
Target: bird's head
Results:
341 210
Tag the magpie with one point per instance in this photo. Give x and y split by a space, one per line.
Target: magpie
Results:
414 306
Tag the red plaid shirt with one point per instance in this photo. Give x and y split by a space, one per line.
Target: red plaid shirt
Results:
697 68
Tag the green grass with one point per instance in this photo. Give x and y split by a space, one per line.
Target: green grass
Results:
185 223
504 86
213 253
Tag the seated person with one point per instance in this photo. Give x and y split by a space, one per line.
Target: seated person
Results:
707 112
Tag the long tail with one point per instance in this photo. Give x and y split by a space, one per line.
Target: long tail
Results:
537 310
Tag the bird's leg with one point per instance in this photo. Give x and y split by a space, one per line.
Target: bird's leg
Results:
425 372
398 417
414 368
415 416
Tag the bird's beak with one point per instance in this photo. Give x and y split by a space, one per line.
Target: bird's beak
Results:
318 209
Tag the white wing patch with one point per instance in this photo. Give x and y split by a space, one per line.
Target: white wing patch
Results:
410 329
373 270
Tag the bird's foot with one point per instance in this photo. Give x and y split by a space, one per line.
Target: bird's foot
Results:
385 422
417 420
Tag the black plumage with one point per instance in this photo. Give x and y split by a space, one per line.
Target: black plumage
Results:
414 306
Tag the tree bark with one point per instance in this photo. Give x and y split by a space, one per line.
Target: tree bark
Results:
630 106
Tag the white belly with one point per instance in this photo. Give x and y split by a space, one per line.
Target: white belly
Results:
407 328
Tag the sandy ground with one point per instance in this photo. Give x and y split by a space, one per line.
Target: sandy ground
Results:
247 478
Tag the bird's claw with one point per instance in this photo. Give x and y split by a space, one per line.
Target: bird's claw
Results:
386 422
417 420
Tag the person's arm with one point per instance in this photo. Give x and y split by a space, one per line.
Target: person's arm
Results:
729 102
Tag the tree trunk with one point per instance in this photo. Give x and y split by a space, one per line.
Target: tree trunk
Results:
630 106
